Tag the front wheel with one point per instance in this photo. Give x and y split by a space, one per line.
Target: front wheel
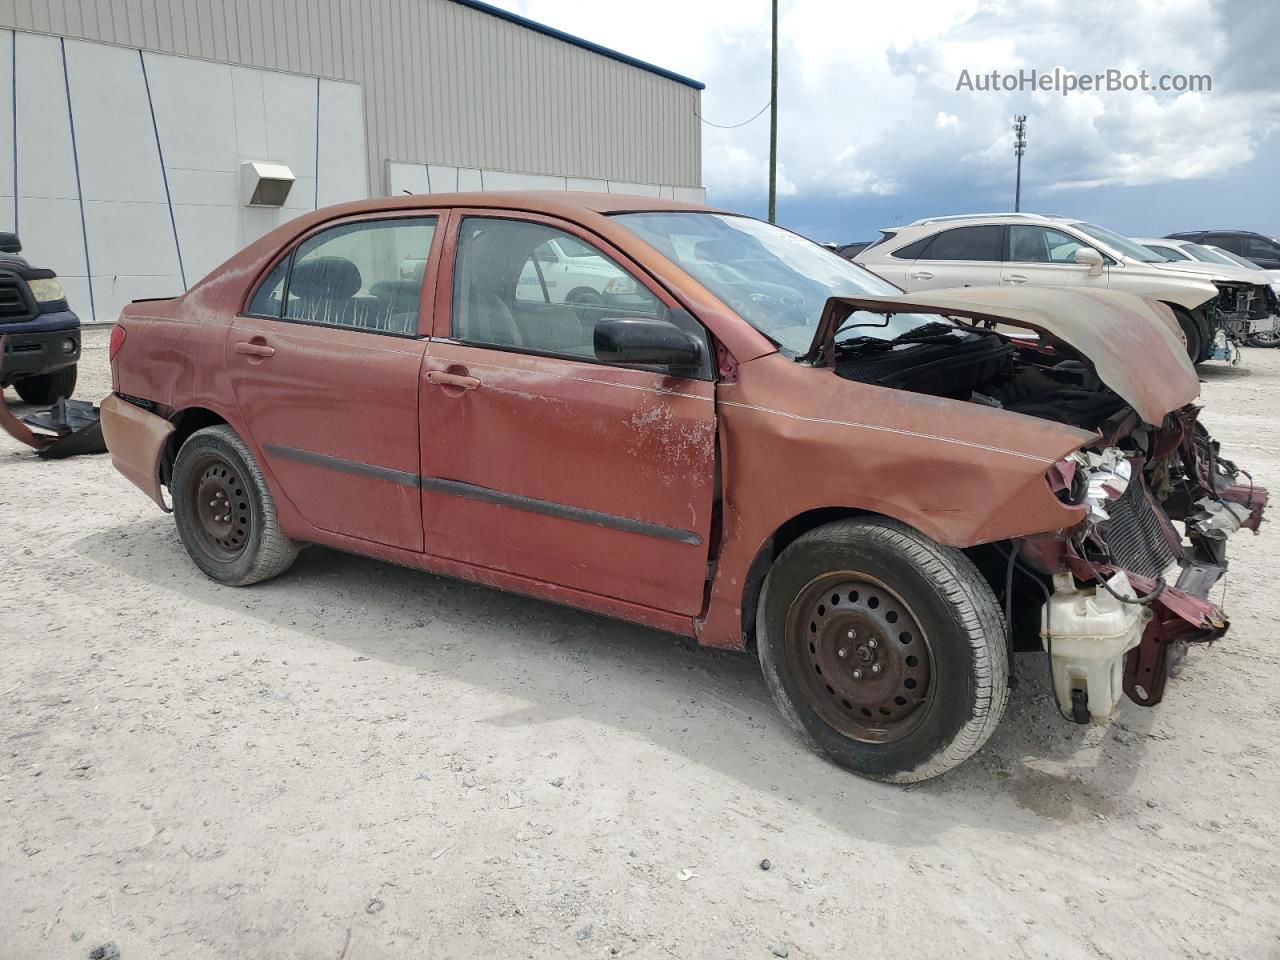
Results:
48 387
224 512
883 649
1197 342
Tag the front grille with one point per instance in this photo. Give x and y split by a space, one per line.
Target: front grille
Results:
1139 534
13 305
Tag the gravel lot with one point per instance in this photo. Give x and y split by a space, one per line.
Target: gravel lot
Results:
361 761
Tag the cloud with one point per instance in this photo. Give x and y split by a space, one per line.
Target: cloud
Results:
868 106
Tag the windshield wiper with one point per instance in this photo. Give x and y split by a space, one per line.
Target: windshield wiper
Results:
933 332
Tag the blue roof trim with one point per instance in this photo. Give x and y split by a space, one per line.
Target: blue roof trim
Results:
577 41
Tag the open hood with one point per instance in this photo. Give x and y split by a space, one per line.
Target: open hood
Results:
1131 342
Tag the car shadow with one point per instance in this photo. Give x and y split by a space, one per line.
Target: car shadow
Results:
1221 370
1037 771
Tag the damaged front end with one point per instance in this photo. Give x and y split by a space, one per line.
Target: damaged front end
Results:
1120 594
1240 313
1131 583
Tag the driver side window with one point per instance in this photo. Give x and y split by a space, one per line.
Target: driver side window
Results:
507 293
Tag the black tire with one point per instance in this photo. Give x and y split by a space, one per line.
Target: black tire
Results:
1269 339
912 580
586 303
1198 344
48 387
224 511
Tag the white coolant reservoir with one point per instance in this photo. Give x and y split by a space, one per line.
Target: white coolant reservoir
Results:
1088 632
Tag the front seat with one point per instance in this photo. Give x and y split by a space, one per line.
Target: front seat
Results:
1029 250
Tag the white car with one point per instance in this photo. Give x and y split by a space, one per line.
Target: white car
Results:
571 273
1249 313
1013 249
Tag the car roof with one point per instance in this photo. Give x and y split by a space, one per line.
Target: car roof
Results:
555 202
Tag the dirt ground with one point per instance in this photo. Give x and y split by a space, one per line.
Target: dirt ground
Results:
360 761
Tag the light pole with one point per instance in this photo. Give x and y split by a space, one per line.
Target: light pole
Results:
773 123
1019 148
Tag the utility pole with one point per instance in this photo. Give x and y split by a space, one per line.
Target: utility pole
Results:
773 123
1019 148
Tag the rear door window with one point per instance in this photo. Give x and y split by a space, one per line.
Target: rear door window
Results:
967 243
364 276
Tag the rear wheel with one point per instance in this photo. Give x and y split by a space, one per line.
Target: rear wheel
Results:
48 387
224 511
883 649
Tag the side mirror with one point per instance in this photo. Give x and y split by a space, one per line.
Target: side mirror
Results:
646 341
9 243
1091 258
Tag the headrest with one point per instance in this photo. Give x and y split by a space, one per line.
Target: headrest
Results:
330 278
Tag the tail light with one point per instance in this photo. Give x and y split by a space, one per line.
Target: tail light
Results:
117 341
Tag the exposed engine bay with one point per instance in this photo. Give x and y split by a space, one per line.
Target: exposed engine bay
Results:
1120 594
968 363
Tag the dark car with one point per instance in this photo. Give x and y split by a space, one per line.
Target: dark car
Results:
763 446
1258 247
41 335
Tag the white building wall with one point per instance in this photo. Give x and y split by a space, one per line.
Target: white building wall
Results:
94 201
441 178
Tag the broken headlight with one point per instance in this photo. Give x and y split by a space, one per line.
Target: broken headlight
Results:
1092 479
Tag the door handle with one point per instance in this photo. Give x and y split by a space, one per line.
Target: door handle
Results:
922 275
1015 278
459 381
254 348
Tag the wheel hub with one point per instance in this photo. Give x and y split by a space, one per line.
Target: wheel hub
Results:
860 657
222 508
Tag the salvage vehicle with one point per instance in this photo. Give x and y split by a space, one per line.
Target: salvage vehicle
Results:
41 334
883 494
1182 250
1250 299
1028 249
1257 247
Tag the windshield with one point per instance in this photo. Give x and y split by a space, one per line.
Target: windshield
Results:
1233 259
1167 254
1206 255
1121 245
776 280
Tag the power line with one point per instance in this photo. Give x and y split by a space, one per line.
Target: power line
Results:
732 126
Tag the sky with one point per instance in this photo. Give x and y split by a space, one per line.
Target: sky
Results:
874 132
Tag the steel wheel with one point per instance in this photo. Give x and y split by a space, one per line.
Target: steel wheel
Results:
860 656
223 518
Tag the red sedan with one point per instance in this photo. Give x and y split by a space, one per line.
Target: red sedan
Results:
704 423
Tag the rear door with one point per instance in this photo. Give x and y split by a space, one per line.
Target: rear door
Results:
959 257
1262 251
325 363
1042 256
542 461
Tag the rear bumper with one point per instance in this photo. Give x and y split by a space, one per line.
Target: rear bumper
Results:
136 440
49 342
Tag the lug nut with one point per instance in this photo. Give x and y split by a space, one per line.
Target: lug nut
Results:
871 643
843 653
850 634
857 674
875 668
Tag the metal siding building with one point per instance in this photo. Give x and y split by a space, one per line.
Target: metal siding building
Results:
138 120
445 82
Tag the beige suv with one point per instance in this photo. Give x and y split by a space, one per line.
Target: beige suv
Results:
1016 249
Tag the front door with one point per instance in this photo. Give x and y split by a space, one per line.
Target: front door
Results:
541 461
325 365
1041 256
